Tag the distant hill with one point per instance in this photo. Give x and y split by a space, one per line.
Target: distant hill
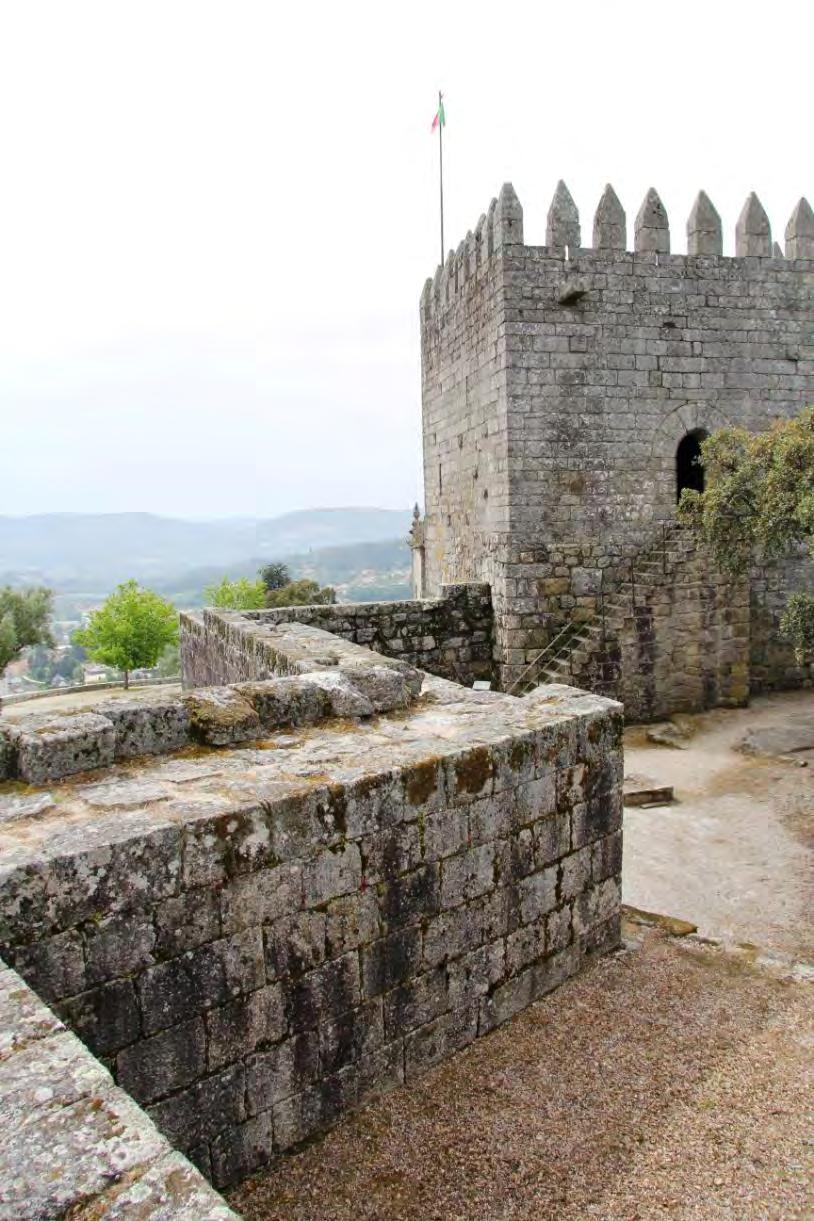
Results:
360 572
86 554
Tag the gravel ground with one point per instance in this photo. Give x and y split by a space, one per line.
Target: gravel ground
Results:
673 1080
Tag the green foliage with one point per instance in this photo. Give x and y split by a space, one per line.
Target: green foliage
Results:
241 594
274 576
169 663
759 493
130 630
797 625
24 620
301 593
44 664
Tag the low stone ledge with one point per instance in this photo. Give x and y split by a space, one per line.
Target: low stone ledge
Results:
46 747
71 1142
449 636
43 748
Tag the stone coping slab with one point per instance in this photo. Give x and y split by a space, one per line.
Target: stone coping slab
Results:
39 749
155 798
71 1142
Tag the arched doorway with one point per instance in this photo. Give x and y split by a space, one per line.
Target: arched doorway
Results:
689 471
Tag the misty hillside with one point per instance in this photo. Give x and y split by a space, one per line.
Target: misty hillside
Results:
73 552
360 572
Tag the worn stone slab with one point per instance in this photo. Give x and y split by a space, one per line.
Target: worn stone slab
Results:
790 739
153 728
648 795
71 1143
47 747
169 1190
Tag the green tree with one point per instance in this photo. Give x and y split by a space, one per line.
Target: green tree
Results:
241 594
130 630
301 593
24 620
759 493
274 576
169 663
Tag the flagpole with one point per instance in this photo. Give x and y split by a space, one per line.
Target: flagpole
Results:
441 169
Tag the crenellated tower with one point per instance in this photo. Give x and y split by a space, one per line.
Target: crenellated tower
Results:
565 392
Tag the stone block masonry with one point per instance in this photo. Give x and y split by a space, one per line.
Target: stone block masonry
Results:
558 383
71 1143
255 938
449 636
325 679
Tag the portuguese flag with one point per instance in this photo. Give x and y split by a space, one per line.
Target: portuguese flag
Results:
440 119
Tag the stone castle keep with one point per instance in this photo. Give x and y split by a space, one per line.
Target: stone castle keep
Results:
565 393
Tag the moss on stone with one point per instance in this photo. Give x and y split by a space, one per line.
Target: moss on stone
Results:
474 770
421 782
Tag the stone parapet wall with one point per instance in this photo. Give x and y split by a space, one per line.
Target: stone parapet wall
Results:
72 1144
449 636
254 941
39 749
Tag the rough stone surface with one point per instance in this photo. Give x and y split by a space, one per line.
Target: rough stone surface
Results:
610 223
800 232
562 226
71 1143
336 679
652 228
152 729
257 938
753 233
551 426
450 636
47 747
704 232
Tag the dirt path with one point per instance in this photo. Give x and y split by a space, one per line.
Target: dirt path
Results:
735 854
672 1081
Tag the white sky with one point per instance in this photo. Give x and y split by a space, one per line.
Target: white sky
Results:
216 218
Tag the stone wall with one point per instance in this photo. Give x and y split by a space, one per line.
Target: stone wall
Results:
255 940
450 636
604 360
71 1142
671 643
661 628
772 663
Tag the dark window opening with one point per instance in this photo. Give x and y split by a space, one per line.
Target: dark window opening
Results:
689 471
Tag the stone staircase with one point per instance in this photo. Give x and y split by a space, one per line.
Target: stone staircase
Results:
587 650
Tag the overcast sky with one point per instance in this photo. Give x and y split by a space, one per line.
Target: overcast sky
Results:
217 217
